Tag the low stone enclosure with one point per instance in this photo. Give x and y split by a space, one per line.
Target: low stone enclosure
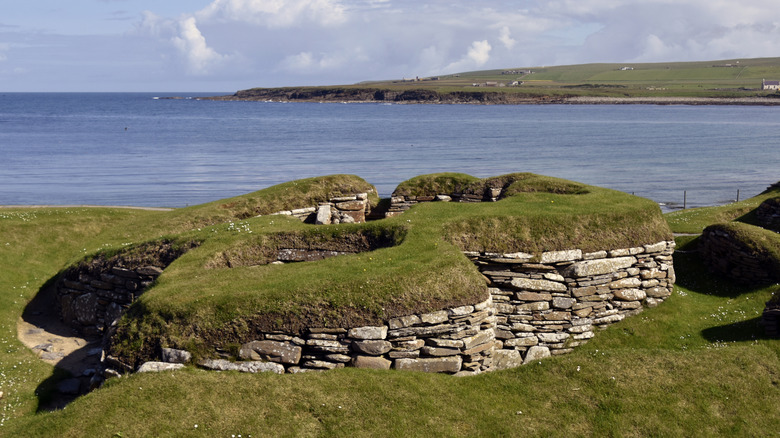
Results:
534 305
749 254
536 308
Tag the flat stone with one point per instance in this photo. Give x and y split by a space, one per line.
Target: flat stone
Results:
323 215
561 256
552 338
433 365
630 294
368 332
351 205
536 353
275 351
434 317
156 367
522 342
480 338
563 303
538 285
589 268
149 271
372 347
439 351
505 359
404 321
533 296
625 283
172 355
372 362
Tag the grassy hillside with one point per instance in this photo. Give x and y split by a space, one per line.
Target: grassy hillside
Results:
698 365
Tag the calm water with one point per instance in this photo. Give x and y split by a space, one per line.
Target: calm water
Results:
130 149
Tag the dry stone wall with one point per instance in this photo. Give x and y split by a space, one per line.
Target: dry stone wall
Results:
92 302
538 306
725 254
768 214
338 210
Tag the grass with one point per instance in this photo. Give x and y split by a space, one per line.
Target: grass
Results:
682 79
698 365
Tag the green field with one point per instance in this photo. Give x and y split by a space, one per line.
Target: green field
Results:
720 78
698 365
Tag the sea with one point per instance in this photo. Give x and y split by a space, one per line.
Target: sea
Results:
144 149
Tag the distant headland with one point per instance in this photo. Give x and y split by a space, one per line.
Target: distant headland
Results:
723 82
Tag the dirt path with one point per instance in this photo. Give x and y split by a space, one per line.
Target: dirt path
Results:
40 329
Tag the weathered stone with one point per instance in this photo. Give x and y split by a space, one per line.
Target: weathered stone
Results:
533 296
630 294
149 271
351 205
460 311
625 283
658 292
172 355
538 285
410 345
340 358
156 367
563 303
561 256
368 332
522 342
552 338
323 214
536 353
480 338
656 247
321 364
434 317
372 347
505 359
446 343
557 316
537 306
85 308
372 362
584 291
450 364
276 351
326 346
404 321
608 319
589 268
439 351
421 331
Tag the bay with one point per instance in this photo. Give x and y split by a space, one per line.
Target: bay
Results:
133 149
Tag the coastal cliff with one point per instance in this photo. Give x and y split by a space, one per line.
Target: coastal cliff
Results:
479 97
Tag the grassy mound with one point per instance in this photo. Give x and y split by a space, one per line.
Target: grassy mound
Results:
225 291
697 366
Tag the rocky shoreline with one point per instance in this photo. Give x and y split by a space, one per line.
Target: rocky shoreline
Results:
426 96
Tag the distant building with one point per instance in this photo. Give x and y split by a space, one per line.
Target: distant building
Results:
770 85
626 68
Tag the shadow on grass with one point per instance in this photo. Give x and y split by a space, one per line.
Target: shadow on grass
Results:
58 344
741 331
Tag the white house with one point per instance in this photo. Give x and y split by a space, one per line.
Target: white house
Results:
770 85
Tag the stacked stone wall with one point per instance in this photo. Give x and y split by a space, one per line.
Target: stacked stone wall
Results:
92 302
338 210
725 254
399 204
538 306
550 304
768 214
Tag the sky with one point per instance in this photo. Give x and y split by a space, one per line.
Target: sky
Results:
228 45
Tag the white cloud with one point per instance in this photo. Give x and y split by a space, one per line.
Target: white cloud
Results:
506 38
192 44
276 13
477 55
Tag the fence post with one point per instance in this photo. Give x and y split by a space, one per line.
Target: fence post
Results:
685 199
737 195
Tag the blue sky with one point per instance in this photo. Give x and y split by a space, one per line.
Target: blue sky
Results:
226 45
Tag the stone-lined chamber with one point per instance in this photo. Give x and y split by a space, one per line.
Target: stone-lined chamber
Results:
538 306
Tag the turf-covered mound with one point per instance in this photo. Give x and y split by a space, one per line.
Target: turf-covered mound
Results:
743 252
228 288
